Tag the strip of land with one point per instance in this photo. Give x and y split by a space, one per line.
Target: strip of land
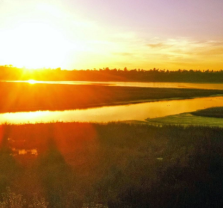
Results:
216 112
187 119
17 97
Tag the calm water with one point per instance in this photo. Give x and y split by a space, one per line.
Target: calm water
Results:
134 84
140 111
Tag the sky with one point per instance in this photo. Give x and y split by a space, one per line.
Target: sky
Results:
88 34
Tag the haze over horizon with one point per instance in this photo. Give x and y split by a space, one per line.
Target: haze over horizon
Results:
71 34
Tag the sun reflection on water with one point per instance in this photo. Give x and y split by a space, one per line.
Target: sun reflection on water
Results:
24 152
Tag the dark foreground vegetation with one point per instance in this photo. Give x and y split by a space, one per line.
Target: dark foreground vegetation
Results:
216 112
106 74
112 165
31 97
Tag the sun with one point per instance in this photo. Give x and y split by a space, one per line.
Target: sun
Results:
32 81
37 45
48 35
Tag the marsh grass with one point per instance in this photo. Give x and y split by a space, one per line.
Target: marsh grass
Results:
11 199
117 165
187 119
216 112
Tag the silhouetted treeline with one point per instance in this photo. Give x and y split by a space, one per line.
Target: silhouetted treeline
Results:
106 74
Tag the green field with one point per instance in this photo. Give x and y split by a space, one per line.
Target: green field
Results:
187 119
210 117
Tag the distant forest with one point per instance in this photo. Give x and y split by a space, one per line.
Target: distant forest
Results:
106 74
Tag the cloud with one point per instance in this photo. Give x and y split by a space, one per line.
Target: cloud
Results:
157 45
187 47
184 52
211 49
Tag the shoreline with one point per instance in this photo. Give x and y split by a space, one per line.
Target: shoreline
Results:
24 97
113 104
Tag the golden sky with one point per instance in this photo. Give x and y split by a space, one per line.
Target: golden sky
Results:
72 34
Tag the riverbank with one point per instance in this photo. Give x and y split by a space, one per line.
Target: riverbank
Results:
18 97
187 119
116 165
216 112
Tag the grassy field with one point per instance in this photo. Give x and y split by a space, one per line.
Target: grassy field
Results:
16 97
113 165
187 119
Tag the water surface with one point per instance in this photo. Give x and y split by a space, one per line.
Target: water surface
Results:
133 84
139 111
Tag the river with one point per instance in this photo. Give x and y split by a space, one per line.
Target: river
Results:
133 84
128 112
139 112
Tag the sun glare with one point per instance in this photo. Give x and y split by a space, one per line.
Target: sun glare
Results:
37 45
32 81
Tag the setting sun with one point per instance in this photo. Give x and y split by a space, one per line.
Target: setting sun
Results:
80 35
36 45
32 81
111 103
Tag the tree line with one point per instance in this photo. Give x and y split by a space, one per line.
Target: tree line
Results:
107 74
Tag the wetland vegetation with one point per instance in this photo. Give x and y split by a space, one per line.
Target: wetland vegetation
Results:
216 112
187 119
112 165
209 117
